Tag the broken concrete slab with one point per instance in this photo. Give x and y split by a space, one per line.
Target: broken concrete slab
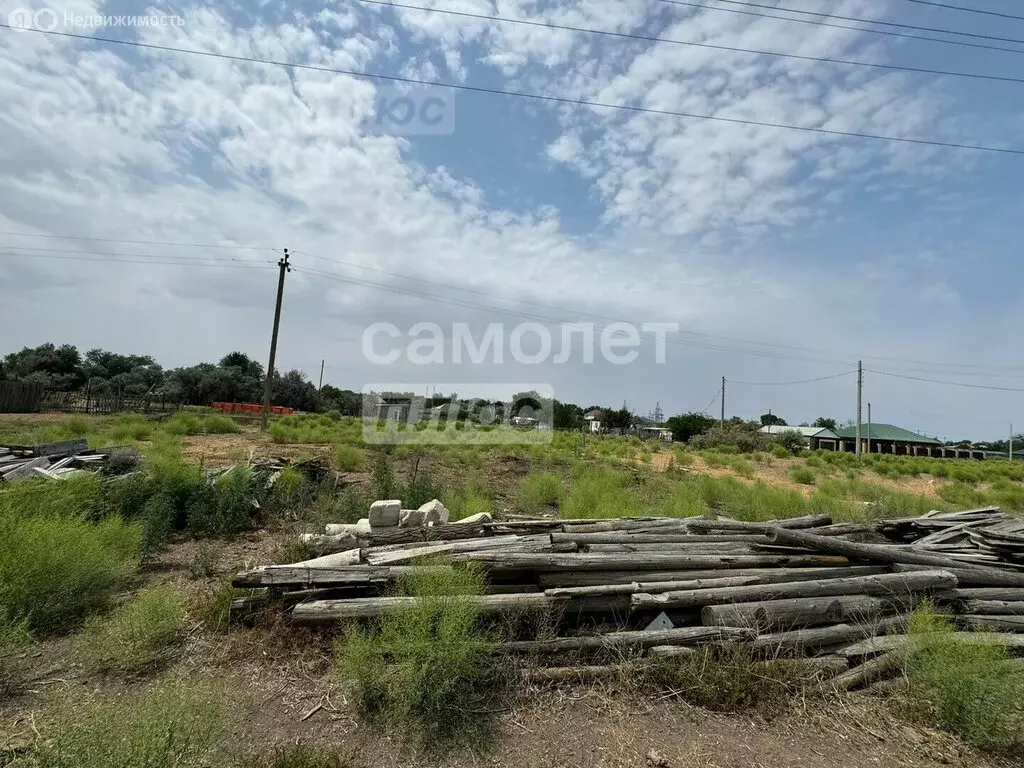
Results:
385 514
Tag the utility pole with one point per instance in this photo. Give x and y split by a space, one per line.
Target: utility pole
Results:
723 401
868 427
321 375
860 388
284 266
1011 442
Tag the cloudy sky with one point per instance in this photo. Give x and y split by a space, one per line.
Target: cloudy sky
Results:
784 255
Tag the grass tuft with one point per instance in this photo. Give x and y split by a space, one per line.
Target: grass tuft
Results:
538 493
142 633
349 458
297 756
802 475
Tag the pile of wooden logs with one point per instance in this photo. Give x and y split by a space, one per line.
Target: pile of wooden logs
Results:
52 461
790 587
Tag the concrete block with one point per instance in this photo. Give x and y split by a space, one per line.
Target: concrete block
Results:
411 518
385 514
477 519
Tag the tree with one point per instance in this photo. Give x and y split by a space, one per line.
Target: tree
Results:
826 423
567 416
293 390
791 440
57 367
771 420
344 401
687 425
619 420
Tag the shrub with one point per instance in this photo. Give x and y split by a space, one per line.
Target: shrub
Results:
538 493
204 562
170 729
220 425
742 467
215 612
55 570
428 668
383 477
802 475
468 500
141 633
226 507
350 459
966 685
599 493
744 438
791 440
713 459
779 452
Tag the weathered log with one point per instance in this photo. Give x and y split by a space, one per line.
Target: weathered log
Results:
711 548
330 611
841 529
1005 594
337 560
891 554
630 639
769 575
625 537
810 640
642 561
968 576
326 544
996 623
447 532
872 670
809 521
291 576
669 651
803 611
992 607
660 586
882 585
406 554
885 643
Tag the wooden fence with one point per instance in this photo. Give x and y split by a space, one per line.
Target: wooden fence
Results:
21 396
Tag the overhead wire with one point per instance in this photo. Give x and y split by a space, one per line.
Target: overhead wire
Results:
135 242
162 261
879 22
886 33
711 46
553 99
947 383
32 251
967 10
789 383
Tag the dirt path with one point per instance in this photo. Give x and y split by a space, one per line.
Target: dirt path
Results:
661 461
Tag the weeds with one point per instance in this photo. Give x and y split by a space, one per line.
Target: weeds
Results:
600 493
349 458
297 756
427 669
140 634
538 493
204 563
802 475
470 499
14 637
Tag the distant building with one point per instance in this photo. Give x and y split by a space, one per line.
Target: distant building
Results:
594 419
815 438
890 439
654 433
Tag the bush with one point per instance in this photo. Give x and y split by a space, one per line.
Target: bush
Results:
297 756
779 452
349 458
56 570
802 475
468 500
226 507
538 493
427 669
791 440
967 686
141 633
743 438
600 493
169 729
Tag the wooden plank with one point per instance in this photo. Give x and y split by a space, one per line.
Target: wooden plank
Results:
626 537
287 575
769 575
880 586
643 561
63 448
803 611
632 639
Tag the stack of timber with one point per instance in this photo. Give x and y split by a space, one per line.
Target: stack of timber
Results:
800 587
52 461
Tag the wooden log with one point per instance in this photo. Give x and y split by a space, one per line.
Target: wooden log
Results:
891 554
809 521
662 524
626 537
632 639
642 561
407 554
885 643
329 544
337 560
1004 594
882 585
842 529
769 575
670 651
711 548
967 576
447 532
870 671
659 586
363 575
331 611
803 611
993 623
992 608
811 640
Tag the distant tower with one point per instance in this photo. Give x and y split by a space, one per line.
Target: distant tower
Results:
658 415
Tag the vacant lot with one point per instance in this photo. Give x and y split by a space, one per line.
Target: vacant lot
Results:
116 646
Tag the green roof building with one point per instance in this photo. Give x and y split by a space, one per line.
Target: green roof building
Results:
888 438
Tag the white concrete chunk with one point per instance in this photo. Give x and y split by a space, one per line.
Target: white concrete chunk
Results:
479 517
385 514
433 512
362 528
411 518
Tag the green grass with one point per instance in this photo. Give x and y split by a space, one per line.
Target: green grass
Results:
802 475
427 671
142 633
967 687
467 500
537 493
174 728
297 756
56 569
600 493
349 458
14 638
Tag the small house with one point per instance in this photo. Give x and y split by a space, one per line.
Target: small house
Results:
815 438
594 419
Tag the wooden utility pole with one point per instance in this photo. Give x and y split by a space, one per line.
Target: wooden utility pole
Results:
723 401
869 428
284 266
1011 442
321 386
860 388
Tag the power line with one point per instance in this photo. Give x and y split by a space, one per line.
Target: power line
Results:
40 251
526 95
711 402
948 383
964 43
733 49
879 22
788 383
968 10
132 261
135 242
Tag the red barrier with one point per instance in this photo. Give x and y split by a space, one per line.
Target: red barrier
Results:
252 408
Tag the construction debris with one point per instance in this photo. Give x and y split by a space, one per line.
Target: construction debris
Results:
797 587
57 461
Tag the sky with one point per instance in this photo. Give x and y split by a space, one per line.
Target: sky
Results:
784 256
